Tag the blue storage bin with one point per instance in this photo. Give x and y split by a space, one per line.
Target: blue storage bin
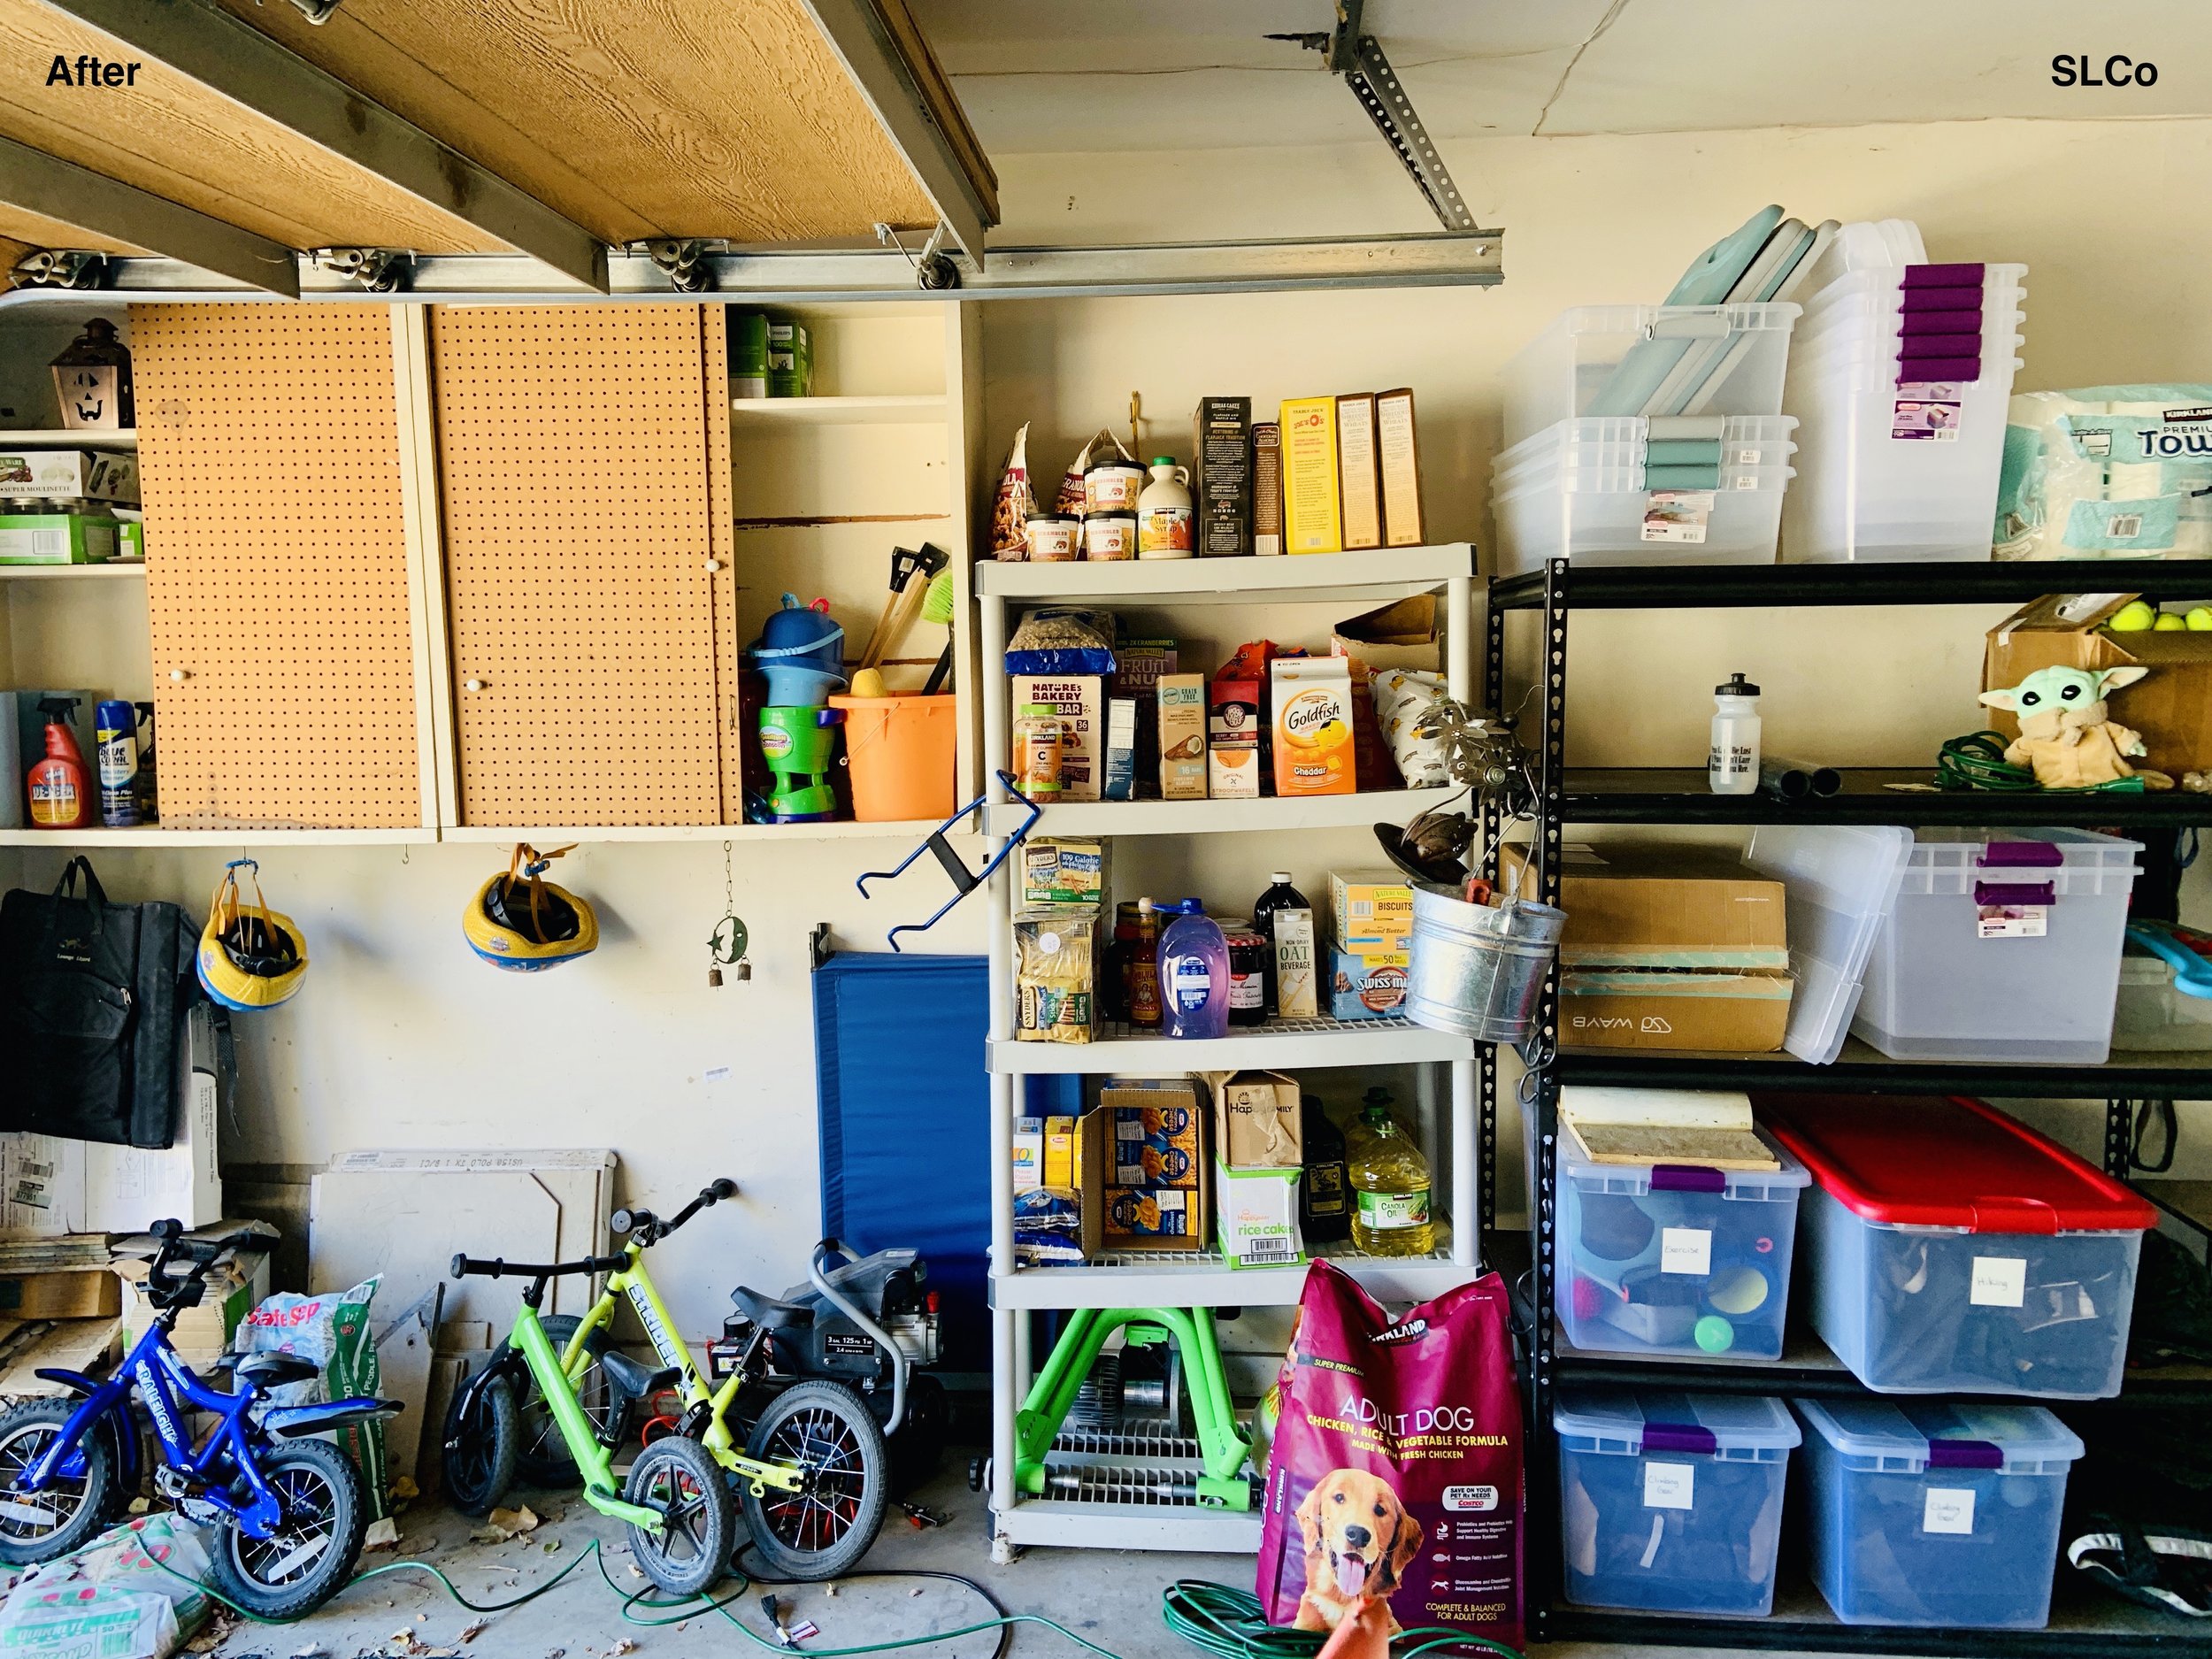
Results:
1933 1513
1671 1503
1669 1258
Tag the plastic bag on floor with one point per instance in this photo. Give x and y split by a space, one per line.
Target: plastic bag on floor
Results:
133 1592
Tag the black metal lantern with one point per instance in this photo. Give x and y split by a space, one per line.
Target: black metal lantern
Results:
92 381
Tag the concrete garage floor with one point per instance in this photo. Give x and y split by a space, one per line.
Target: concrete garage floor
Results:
1110 1598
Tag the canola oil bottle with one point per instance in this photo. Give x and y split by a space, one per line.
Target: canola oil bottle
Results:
1390 1185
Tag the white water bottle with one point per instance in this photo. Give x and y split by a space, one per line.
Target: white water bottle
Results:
1732 765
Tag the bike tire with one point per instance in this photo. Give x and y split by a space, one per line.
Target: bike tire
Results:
482 1437
823 1532
326 1511
542 1460
681 1478
25 1430
919 1446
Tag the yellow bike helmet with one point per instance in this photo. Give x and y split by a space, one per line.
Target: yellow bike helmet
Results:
523 923
249 957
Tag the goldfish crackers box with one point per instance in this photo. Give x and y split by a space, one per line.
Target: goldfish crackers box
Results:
1313 725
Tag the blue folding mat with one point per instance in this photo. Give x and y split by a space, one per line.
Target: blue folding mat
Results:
904 1112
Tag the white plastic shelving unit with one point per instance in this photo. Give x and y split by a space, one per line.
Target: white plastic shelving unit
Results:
1198 1279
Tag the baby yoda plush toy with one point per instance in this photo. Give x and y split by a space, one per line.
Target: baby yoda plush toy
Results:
2064 736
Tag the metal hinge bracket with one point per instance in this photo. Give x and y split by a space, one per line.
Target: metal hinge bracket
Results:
59 268
372 270
934 269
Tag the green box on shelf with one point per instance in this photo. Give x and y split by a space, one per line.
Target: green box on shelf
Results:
57 538
749 354
790 360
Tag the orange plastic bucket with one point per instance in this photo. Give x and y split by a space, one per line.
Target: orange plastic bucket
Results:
899 752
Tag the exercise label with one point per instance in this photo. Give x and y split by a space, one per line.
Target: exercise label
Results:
1689 1250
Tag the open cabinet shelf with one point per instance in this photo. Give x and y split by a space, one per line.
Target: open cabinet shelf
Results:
926 408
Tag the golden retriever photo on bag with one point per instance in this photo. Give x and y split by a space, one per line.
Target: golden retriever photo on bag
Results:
1358 1540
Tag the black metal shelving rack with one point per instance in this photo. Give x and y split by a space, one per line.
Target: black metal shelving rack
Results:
2084 1621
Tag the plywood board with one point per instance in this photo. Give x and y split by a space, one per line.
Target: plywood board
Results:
277 573
1703 1149
572 474
637 118
170 136
25 231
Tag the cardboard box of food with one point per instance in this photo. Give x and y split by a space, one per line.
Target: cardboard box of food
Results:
1360 989
1029 1153
1182 737
1257 1121
1232 740
1655 906
749 354
1125 1220
1059 870
1398 454
1359 486
1267 487
1373 911
1257 1217
106 475
1310 703
57 538
1080 700
1221 440
1310 523
2171 706
1158 1136
1628 1008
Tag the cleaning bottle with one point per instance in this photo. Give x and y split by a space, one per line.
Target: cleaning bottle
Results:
1390 1186
60 797
1193 974
1325 1194
1732 765
1281 896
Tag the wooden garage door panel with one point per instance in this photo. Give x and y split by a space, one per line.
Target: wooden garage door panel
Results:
573 469
277 566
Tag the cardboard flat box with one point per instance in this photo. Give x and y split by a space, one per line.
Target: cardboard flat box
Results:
105 475
80 1294
1310 523
2171 706
1257 1217
201 1333
1655 906
1080 700
1359 486
1257 1124
1120 781
1627 1008
1373 911
1360 989
1221 440
1398 456
1267 487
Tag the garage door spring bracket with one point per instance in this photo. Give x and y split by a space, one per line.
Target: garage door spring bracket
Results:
372 270
59 268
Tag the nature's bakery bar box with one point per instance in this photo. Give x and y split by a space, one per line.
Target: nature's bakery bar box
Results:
1668 947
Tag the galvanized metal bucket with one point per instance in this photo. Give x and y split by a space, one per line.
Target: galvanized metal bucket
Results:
1478 969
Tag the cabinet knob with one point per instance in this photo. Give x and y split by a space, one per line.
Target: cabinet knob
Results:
475 685
180 674
713 565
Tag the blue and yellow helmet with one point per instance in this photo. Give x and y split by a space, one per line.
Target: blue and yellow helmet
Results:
523 923
250 957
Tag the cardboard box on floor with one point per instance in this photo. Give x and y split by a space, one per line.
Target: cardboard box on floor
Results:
2171 706
1668 947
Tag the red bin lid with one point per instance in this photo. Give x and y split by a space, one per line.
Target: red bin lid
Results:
1926 1161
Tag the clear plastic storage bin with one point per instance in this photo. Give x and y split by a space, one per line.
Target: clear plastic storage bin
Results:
2151 1013
1950 1250
1670 1258
1649 360
1839 883
1550 518
1732 442
1671 1502
1935 1514
2004 945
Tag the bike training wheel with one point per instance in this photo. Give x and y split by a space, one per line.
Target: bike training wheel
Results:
822 1531
40 1526
309 1556
920 1445
481 1441
680 1479
542 1459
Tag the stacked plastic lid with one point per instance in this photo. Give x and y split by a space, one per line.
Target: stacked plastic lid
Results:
1899 377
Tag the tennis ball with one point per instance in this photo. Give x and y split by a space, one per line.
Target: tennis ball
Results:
2131 618
1714 1334
2200 620
2168 623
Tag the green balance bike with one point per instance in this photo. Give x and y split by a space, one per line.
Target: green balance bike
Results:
812 1476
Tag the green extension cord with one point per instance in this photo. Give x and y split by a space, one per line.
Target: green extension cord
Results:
1977 761
1228 1624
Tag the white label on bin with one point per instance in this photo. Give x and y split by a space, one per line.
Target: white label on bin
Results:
1949 1509
1999 1282
1677 515
2012 921
1689 1250
1669 1485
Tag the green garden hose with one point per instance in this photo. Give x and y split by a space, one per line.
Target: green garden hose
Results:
1228 1624
1977 761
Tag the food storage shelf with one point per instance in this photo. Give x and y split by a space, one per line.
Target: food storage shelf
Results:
1279 1045
1277 813
1373 576
62 438
921 410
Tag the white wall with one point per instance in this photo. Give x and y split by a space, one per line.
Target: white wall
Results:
403 1039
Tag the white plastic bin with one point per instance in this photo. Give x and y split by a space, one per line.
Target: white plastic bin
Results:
2151 1013
1667 1258
1649 360
2004 945
1935 1514
1840 883
1948 1249
1546 519
1671 1502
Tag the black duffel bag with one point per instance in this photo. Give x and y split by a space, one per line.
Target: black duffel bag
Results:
93 997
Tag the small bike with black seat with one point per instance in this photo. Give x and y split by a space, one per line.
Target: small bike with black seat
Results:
812 1478
287 1510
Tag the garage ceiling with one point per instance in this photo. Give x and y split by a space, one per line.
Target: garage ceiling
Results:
1167 75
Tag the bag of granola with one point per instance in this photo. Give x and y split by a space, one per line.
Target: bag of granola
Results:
1073 499
1013 502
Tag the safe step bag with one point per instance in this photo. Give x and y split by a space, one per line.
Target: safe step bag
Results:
93 995
1395 1474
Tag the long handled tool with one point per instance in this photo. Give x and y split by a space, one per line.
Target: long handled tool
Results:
905 597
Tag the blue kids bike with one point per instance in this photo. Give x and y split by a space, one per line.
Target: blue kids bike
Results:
287 1510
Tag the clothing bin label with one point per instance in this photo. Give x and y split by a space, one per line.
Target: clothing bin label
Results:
1947 1509
1669 1485
1690 1250
1999 1282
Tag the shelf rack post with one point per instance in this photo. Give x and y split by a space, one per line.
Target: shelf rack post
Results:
1007 1325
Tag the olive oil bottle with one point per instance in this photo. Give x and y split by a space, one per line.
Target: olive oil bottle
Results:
1390 1185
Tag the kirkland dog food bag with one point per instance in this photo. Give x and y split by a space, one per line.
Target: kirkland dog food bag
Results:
1396 1469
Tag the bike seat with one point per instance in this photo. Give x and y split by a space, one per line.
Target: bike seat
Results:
632 1380
273 1371
770 1314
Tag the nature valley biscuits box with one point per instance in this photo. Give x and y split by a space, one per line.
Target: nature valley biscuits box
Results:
1313 725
